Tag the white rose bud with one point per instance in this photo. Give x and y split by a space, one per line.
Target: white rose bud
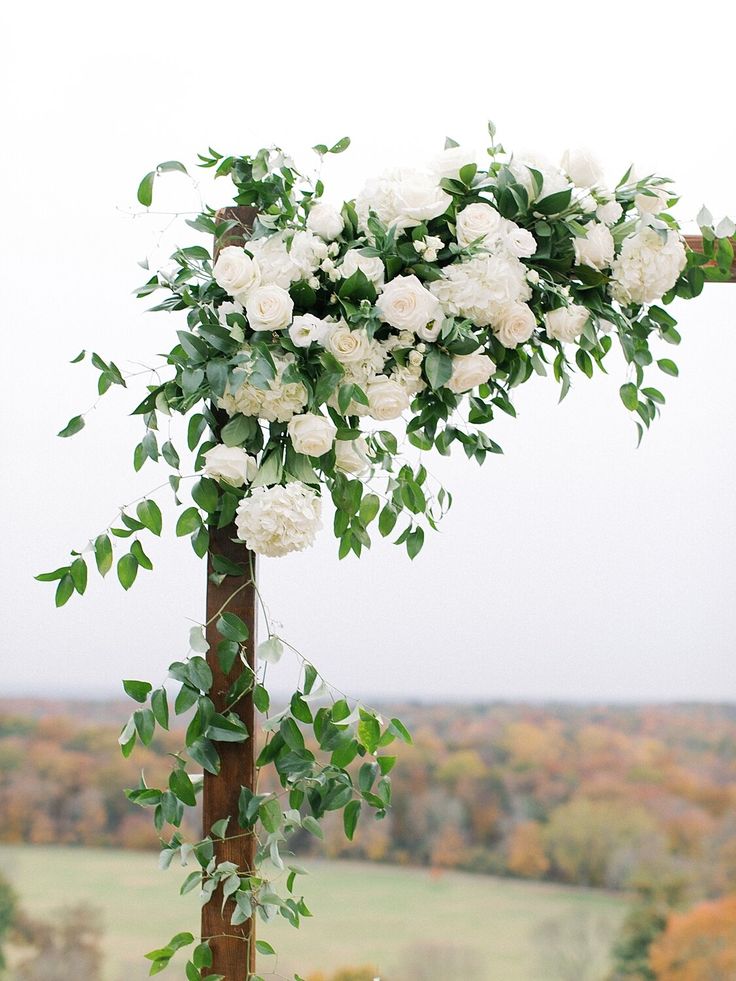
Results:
566 323
325 220
469 371
451 161
515 325
478 221
386 399
307 329
405 304
348 346
371 267
311 434
230 465
582 167
236 272
609 212
651 203
269 308
596 248
351 455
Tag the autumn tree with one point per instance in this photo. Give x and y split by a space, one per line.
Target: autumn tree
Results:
526 851
699 945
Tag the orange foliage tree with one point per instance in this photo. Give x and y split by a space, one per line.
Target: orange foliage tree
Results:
699 945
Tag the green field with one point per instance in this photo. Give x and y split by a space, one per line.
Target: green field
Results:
487 929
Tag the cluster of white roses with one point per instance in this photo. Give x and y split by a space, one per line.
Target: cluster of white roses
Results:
484 275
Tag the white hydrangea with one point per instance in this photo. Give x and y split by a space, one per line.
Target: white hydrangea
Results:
482 288
647 267
277 403
277 520
402 198
274 260
307 252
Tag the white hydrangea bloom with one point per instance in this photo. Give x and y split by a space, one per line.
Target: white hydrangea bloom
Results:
274 261
482 288
277 403
647 267
277 520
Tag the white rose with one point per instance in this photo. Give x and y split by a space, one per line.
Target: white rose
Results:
325 220
596 248
553 179
651 203
469 371
386 399
609 212
277 520
647 267
230 465
406 304
269 308
311 434
403 198
348 346
371 267
351 455
236 272
582 167
515 325
451 161
518 241
307 329
478 221
566 323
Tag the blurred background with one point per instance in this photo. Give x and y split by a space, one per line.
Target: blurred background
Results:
562 649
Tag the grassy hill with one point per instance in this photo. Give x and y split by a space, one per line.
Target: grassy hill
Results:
475 927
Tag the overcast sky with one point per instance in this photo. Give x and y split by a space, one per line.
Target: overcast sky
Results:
575 566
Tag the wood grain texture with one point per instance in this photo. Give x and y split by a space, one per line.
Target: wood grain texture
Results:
233 948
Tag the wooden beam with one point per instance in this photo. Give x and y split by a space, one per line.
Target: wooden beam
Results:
233 948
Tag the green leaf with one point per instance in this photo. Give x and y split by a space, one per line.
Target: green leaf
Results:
261 698
75 425
189 521
145 189
160 707
262 946
64 590
182 787
235 432
270 814
397 727
350 818
78 571
231 627
553 204
149 515
199 673
437 367
103 554
127 570
205 494
369 732
137 690
311 825
629 396
145 725
341 145
668 367
136 549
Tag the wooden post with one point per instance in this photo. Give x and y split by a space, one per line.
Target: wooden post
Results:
233 948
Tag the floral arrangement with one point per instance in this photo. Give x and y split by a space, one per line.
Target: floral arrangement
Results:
312 345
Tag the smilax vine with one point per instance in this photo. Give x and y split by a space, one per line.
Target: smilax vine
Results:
321 348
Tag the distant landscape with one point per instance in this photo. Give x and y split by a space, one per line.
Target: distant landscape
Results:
581 825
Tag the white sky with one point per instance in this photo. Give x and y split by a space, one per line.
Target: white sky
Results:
573 567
